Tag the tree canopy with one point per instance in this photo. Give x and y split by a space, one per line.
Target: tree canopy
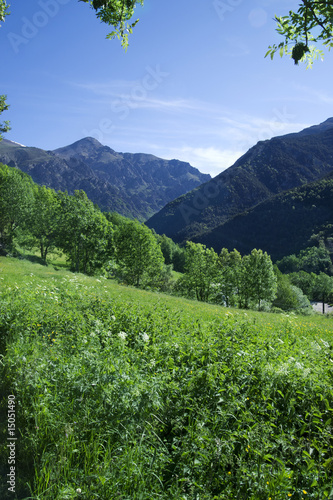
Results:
116 13
311 24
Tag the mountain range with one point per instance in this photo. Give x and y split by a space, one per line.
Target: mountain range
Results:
278 196
250 205
134 185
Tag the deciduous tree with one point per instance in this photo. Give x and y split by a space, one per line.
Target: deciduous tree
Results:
116 13
200 270
16 200
258 278
304 29
138 255
43 219
229 265
84 234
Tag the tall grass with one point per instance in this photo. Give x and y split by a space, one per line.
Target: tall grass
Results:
126 394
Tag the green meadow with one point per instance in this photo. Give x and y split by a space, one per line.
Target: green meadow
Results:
117 393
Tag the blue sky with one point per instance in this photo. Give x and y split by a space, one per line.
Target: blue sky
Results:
193 85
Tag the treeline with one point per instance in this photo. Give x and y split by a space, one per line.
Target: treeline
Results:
33 216
228 278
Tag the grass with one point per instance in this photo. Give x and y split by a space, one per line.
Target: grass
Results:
128 394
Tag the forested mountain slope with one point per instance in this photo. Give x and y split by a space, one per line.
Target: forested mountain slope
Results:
134 185
282 225
267 169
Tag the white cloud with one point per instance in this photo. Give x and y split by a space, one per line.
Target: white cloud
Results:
209 160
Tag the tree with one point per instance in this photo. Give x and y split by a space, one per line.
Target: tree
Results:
43 220
16 199
4 127
229 265
311 24
290 297
304 281
173 254
311 260
138 255
3 10
116 13
323 288
258 278
315 260
83 233
200 270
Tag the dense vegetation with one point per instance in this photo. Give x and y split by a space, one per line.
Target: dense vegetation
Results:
116 392
215 214
122 393
107 243
305 213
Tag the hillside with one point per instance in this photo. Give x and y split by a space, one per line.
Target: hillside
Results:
134 185
110 392
267 169
282 225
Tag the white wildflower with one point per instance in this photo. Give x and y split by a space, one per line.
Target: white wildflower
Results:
122 335
145 337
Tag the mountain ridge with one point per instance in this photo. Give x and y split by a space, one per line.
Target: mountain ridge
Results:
265 170
134 185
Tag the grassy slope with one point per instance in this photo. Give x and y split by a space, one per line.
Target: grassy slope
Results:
211 403
15 272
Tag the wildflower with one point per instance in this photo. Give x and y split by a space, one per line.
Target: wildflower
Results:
229 472
305 492
289 494
78 490
122 335
145 337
